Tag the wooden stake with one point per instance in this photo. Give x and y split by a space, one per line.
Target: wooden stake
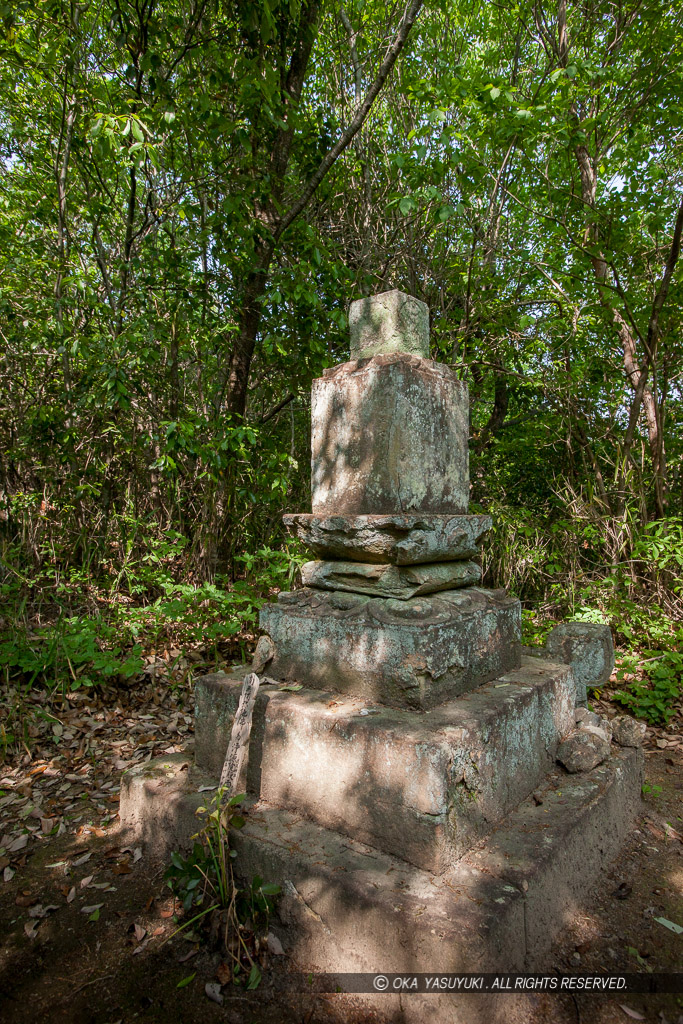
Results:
239 738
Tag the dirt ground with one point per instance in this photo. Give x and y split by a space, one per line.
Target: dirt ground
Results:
87 923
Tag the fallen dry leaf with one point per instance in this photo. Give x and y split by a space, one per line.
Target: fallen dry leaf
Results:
25 899
223 973
187 956
631 1013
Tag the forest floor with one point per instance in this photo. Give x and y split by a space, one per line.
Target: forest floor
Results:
86 922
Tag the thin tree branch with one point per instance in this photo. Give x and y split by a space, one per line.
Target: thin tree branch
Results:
356 122
663 290
277 408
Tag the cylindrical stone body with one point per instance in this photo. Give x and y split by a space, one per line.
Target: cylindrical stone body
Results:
389 434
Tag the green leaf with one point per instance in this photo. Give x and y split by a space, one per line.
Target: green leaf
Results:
254 977
187 980
671 925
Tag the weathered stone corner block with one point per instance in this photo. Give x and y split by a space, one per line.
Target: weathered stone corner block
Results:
389 435
414 653
389 322
588 648
389 580
401 539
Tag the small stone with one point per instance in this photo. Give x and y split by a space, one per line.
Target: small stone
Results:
274 945
582 750
583 716
213 991
599 731
627 731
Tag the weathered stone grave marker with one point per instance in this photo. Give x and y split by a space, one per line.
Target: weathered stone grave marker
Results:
432 830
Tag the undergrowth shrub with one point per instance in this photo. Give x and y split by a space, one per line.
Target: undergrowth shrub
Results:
562 567
232 916
66 628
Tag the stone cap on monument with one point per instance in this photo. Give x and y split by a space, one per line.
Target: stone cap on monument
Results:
389 322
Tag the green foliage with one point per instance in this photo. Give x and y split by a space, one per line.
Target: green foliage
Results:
204 883
651 683
560 562
63 630
527 192
72 652
534 628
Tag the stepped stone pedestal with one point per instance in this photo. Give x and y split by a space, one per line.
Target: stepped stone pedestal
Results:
402 775
425 788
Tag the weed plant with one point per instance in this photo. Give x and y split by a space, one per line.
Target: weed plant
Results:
227 915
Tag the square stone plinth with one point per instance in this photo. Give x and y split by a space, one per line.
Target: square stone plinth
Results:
389 434
422 787
416 653
401 539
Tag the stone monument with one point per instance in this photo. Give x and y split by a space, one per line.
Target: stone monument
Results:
403 776
390 610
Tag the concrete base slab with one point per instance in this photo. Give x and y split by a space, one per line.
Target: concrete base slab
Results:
415 653
422 786
346 907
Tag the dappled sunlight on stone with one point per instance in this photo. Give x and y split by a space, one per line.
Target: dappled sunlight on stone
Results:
402 778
